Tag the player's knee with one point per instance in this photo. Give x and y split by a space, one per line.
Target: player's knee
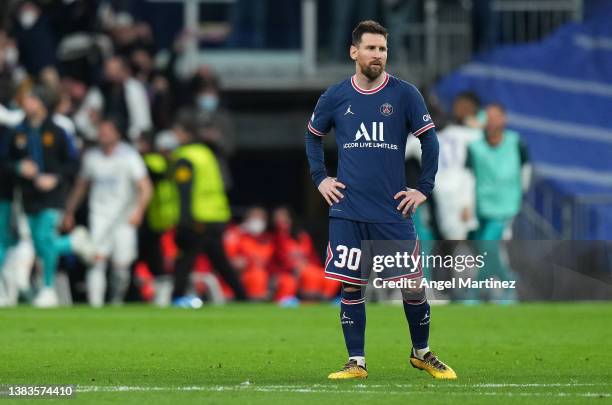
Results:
350 288
414 295
352 294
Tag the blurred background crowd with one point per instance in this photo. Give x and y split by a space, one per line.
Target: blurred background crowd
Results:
155 147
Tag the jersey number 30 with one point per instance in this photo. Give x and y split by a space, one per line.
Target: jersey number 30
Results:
348 257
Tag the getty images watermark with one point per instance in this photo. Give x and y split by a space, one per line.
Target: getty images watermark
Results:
401 268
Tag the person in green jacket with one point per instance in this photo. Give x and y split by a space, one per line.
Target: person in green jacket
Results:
499 162
203 209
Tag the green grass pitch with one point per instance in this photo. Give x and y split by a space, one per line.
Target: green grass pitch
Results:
531 353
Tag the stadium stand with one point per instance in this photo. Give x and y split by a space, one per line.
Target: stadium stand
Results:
560 105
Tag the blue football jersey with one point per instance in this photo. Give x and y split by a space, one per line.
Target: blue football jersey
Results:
371 128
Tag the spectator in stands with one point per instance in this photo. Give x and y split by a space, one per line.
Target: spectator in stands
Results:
42 160
296 265
35 38
126 32
119 97
73 17
500 166
120 192
203 206
157 87
249 247
9 71
62 115
162 101
141 64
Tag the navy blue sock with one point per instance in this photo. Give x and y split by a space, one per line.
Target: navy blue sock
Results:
353 320
418 322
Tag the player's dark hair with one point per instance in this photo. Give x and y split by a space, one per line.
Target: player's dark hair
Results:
369 27
470 96
112 120
119 123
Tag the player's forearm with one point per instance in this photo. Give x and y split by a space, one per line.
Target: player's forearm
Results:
77 195
316 158
429 162
145 191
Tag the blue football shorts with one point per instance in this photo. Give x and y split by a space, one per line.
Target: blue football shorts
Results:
358 249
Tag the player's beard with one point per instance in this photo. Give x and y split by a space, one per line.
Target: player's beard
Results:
372 71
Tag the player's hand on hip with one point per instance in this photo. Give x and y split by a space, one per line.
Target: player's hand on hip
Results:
329 189
411 199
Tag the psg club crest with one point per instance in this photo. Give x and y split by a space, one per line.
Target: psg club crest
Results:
386 109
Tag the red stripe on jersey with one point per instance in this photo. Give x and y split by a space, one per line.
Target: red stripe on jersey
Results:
371 91
423 129
350 280
330 255
314 130
352 302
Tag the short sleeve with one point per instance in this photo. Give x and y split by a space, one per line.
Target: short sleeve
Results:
417 117
87 166
138 170
321 121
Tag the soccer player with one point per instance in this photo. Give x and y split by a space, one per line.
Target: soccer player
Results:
454 195
372 113
120 192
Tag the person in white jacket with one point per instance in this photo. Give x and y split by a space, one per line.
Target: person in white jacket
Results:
119 96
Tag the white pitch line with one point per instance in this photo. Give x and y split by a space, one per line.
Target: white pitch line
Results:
319 388
484 385
481 385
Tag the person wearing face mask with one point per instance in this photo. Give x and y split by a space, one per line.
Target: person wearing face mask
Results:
218 130
250 248
9 60
203 209
208 101
35 38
